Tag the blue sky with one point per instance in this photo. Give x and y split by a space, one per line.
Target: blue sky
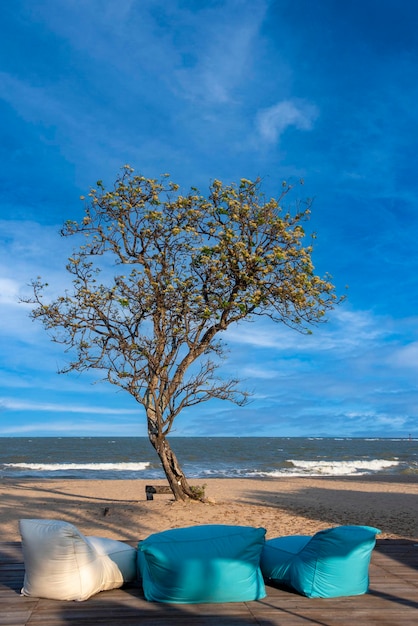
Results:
230 89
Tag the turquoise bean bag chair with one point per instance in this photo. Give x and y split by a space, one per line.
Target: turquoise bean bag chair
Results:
210 563
334 562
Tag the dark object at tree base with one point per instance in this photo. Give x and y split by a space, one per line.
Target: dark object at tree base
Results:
150 490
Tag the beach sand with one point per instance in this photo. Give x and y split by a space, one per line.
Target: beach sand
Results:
284 506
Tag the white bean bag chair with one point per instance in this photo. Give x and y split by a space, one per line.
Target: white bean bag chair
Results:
63 564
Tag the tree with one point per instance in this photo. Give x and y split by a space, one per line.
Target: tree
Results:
187 267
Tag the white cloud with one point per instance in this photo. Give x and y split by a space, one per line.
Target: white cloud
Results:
85 428
273 121
256 336
223 46
27 250
37 104
9 291
346 331
18 405
407 356
259 372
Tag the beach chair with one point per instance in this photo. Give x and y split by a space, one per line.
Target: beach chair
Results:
62 564
334 562
199 564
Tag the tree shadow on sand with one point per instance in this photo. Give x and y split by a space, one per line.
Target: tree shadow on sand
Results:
392 512
121 519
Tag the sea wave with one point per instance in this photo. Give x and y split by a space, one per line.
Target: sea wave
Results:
334 468
71 467
253 464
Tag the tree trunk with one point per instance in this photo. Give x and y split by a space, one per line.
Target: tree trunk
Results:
176 479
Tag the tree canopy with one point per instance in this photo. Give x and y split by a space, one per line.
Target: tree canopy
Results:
158 277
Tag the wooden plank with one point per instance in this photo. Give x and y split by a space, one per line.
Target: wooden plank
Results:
150 490
15 618
391 601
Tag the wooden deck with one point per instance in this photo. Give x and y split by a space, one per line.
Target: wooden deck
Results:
392 601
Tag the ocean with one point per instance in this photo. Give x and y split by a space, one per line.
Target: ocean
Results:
206 457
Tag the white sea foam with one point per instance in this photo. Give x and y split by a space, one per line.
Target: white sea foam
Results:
333 468
59 467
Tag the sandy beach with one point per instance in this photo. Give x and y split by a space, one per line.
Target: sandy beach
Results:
119 509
